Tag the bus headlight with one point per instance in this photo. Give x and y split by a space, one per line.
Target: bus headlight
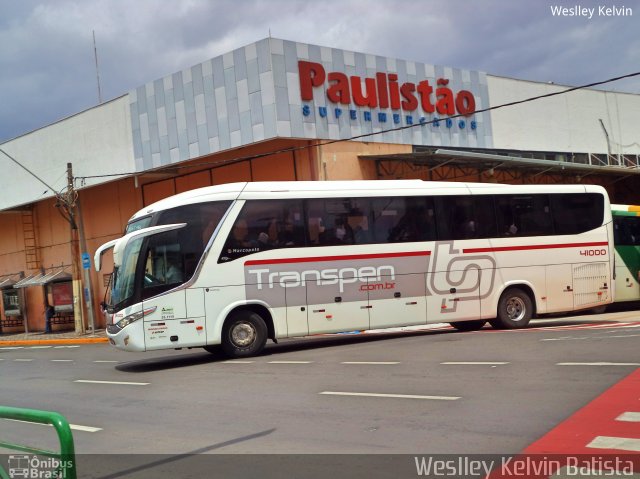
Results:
132 318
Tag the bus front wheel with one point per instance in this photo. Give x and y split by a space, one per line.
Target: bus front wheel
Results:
474 325
515 310
244 334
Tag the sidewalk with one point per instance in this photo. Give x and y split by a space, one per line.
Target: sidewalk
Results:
39 338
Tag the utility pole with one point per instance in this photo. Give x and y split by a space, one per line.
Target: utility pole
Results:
88 290
75 254
78 244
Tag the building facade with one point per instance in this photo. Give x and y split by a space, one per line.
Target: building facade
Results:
281 110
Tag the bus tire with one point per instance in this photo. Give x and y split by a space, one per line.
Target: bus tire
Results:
469 325
599 309
515 310
244 334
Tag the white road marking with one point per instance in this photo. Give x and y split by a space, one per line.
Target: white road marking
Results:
383 395
236 361
110 382
565 339
618 443
370 362
62 360
598 364
591 337
39 347
13 347
23 360
480 363
75 427
105 361
66 347
629 417
290 362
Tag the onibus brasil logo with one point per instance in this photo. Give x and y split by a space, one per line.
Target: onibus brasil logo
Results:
35 467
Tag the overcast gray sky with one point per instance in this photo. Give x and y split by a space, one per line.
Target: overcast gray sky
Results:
47 68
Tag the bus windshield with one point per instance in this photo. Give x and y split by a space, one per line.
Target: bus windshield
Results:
159 258
124 275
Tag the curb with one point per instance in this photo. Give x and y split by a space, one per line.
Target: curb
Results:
45 342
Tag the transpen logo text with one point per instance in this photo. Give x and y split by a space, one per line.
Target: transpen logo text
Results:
324 277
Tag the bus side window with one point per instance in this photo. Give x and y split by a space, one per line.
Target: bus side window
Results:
456 219
575 213
328 221
626 230
360 227
265 225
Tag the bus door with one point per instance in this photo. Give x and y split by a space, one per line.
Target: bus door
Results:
180 315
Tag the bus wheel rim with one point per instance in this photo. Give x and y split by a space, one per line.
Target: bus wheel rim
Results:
516 309
243 334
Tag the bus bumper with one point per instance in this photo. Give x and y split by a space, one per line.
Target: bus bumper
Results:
130 338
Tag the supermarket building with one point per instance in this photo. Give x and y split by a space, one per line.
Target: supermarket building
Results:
281 110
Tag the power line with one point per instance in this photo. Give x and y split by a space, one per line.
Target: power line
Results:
30 172
364 135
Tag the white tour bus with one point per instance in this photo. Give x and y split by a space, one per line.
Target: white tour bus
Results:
240 263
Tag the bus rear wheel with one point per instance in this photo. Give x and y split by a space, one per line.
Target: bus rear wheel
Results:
244 334
469 325
515 310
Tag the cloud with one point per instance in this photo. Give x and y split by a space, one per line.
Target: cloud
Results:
48 69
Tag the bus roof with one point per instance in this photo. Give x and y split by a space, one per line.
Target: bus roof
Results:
364 188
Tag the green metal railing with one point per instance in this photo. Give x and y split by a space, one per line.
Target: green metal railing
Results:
65 460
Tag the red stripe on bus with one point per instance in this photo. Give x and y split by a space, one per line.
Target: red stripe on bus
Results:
535 246
313 259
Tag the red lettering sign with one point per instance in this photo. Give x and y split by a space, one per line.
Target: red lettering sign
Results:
385 91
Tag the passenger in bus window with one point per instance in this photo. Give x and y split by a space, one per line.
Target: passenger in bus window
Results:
470 229
240 236
342 231
173 274
316 229
512 230
360 226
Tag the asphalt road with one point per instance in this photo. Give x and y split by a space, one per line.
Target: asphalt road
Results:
429 392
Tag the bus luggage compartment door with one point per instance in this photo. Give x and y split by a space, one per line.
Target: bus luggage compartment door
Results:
559 282
455 296
333 307
397 301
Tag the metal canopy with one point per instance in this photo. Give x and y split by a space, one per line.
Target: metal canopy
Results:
42 279
6 283
484 161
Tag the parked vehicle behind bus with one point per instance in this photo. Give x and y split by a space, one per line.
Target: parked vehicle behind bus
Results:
237 264
626 234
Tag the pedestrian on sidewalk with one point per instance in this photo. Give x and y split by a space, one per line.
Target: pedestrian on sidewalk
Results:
49 311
